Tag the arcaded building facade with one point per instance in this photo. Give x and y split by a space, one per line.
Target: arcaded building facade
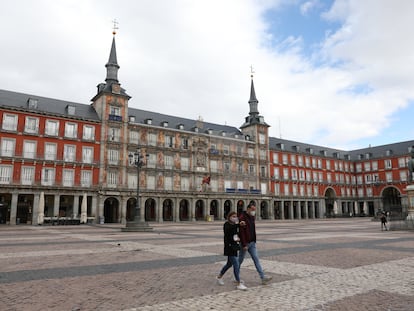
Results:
64 154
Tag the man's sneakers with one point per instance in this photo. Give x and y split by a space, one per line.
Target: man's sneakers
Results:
219 280
241 286
266 280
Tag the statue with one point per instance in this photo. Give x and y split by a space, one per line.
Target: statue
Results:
410 165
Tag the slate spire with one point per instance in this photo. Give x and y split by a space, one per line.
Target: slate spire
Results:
112 66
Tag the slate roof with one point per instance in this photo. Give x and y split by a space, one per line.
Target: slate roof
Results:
47 105
188 124
395 149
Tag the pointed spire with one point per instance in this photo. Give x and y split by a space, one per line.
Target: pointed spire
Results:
253 100
112 66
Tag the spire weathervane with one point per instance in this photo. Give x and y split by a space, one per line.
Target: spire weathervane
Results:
115 27
251 71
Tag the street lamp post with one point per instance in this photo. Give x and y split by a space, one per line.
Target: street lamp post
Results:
138 224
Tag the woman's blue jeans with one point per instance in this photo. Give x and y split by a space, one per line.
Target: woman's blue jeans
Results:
232 261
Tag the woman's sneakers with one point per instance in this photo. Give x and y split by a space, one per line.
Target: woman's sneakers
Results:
241 286
219 280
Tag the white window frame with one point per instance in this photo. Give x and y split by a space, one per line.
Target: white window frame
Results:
6 174
9 122
68 176
48 176
52 128
88 132
50 151
31 125
8 147
71 130
29 149
27 175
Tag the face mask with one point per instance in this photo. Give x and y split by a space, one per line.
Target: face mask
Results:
234 220
252 213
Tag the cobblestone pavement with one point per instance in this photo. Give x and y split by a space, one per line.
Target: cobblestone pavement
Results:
330 264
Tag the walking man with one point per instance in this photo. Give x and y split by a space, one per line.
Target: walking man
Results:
248 240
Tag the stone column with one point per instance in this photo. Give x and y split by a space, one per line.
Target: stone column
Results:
13 208
410 209
56 202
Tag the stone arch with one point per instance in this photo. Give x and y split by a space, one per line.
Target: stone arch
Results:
111 210
184 210
330 197
150 210
199 210
167 210
227 208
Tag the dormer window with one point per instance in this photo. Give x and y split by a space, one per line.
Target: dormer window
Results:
210 131
148 121
223 133
71 109
196 129
132 119
165 124
32 103
180 126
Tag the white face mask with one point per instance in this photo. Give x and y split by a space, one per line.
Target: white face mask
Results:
252 213
234 220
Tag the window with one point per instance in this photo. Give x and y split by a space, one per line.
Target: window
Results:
403 175
262 138
358 167
86 178
277 189
285 173
263 154
388 176
115 111
152 139
294 174
309 190
185 184
213 166
69 153
252 169
48 176
31 125
27 177
185 164
169 141
276 173
87 155
293 159
168 162
286 189
9 122
227 167
300 160
50 151
320 164
67 180
315 191
29 149
285 159
134 137
7 147
387 164
52 128
263 171
240 167
314 163
112 179
329 177
367 166
295 190
113 134
239 150
185 143
226 150
70 130
250 153
401 162
374 165
275 158
113 156
328 164
88 132
151 160
315 176
168 183
307 162
5 174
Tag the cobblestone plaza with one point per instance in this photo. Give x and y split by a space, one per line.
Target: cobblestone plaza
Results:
329 264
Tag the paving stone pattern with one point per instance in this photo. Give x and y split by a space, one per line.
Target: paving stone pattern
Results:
330 264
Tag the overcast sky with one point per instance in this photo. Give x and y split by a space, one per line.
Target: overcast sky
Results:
331 73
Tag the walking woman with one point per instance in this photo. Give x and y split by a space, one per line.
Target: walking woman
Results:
231 249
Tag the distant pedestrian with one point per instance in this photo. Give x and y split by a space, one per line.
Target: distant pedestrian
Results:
383 221
248 240
231 250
